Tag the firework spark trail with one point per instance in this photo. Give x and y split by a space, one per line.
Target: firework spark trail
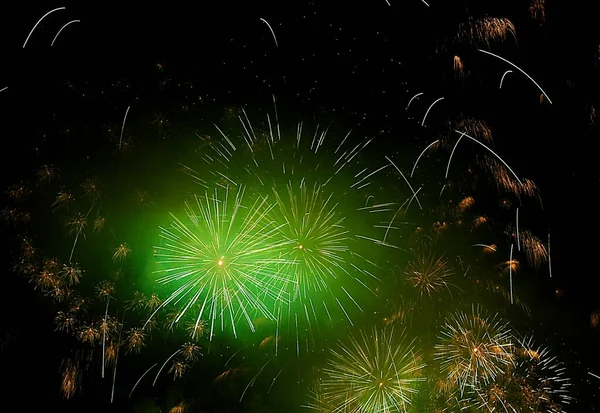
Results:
79 232
413 98
412 198
518 239
140 379
74 244
297 337
4 88
452 154
519 69
61 29
549 257
123 126
112 391
368 176
38 22
493 153
593 375
276 118
275 378
272 32
163 366
510 265
104 337
419 157
251 383
427 113
277 332
114 380
503 76
234 354
405 180
490 247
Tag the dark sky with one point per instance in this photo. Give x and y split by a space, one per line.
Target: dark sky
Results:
362 60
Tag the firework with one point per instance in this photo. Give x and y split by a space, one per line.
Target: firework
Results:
537 9
316 189
485 31
378 371
428 274
277 238
537 382
222 258
71 379
474 349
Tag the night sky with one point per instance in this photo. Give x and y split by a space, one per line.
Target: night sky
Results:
181 69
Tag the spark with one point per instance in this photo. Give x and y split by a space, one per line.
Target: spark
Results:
272 32
104 338
549 256
519 69
405 180
419 157
503 76
452 154
486 246
140 379
493 153
518 239
114 380
427 113
163 366
4 88
61 29
593 375
123 126
510 273
38 22
251 383
275 378
422 1
413 98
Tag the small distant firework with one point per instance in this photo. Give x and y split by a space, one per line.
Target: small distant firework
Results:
428 274
71 377
485 31
537 9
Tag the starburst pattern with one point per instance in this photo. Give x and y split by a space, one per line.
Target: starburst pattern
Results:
378 371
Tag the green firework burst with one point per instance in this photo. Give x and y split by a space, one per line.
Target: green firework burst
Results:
319 191
221 259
